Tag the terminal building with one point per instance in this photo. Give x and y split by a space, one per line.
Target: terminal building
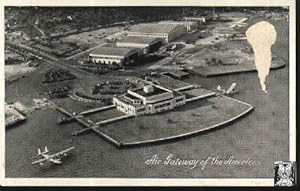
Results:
189 25
114 55
168 32
149 99
145 44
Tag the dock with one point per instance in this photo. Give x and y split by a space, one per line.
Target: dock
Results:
197 94
90 111
101 123
201 97
104 122
88 127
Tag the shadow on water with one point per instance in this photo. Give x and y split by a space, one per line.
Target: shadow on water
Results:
16 125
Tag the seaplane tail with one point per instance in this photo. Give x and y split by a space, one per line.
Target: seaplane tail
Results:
42 153
220 90
39 152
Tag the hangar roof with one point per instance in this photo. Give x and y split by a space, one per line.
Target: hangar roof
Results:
114 51
153 28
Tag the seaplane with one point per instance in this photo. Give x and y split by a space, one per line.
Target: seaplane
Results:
54 158
231 90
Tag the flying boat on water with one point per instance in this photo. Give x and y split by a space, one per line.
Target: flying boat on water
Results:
54 158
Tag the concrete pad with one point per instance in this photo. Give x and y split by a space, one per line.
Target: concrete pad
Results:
232 69
192 118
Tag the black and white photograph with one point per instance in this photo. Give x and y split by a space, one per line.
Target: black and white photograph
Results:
154 92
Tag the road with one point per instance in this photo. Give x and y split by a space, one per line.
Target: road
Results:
84 52
51 59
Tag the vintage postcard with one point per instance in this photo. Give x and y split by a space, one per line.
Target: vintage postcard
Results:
111 93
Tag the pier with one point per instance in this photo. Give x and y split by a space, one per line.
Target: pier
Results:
90 111
86 125
104 122
201 97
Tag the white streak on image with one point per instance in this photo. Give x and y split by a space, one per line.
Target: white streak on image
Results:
262 36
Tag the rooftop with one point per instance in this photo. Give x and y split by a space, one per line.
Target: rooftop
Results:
199 17
156 91
138 39
131 96
113 51
124 98
153 28
177 22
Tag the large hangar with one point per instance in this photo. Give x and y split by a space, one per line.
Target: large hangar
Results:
168 32
114 55
189 25
144 43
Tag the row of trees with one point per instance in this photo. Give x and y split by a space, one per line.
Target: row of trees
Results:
81 17
93 16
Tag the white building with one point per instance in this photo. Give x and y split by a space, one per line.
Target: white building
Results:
149 99
200 19
114 55
167 32
189 25
144 43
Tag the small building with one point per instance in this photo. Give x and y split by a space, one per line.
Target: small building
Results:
114 55
199 19
168 32
189 25
149 99
144 43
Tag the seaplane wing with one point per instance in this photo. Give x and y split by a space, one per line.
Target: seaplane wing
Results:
39 161
231 88
64 152
56 161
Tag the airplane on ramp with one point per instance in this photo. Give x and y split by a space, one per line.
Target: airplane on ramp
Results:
54 158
